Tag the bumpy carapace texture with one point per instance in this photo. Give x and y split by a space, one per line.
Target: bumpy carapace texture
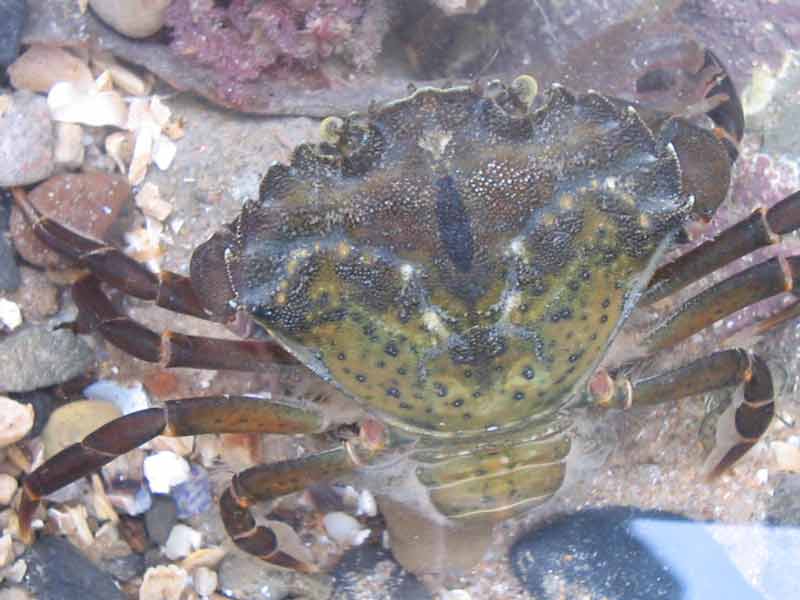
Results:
458 260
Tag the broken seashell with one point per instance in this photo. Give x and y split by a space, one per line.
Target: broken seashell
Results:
163 583
69 150
69 103
119 146
150 201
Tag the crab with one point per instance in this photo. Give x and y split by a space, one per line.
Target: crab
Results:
464 262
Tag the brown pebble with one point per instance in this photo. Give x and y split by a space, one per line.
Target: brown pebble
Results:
88 202
36 295
161 384
133 532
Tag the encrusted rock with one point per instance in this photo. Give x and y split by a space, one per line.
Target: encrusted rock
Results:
26 141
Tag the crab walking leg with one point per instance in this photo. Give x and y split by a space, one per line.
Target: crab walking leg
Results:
187 416
763 228
271 481
762 281
112 266
738 428
170 349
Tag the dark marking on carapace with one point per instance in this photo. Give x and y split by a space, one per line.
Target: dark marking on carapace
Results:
455 231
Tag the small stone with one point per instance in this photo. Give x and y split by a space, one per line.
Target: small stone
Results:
36 357
787 456
456 595
127 398
245 578
134 18
160 519
16 420
370 571
108 543
204 581
10 314
16 571
164 470
58 571
152 204
205 557
42 404
74 421
124 568
12 20
344 529
40 67
9 270
163 583
134 533
14 593
36 295
8 487
88 202
6 550
26 141
69 150
194 495
182 541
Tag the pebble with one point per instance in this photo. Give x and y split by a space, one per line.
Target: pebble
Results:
182 541
134 18
626 554
10 314
194 496
16 420
204 581
9 270
37 357
163 583
6 550
124 568
74 421
26 141
87 202
37 296
344 529
245 577
42 404
160 519
8 487
369 571
165 470
12 20
69 150
40 67
58 571
14 593
127 398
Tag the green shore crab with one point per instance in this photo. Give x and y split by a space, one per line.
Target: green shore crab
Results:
460 261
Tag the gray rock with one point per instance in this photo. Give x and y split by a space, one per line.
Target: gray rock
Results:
37 357
58 571
124 568
12 19
161 517
26 141
9 270
249 578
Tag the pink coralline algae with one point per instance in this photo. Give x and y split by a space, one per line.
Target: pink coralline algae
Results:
243 40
